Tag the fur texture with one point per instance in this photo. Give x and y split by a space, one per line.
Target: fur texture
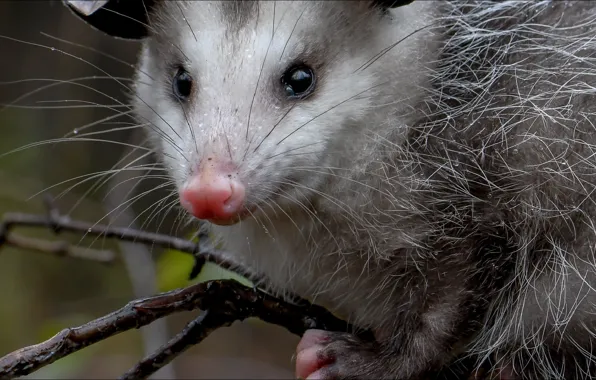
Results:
438 185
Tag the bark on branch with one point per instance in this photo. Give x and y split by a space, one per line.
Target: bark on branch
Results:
225 301
58 223
222 301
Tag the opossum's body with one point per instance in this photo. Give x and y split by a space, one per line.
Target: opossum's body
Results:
440 193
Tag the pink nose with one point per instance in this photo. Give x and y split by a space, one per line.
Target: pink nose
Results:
213 193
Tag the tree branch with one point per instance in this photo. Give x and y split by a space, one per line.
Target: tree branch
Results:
223 302
194 332
226 301
58 223
59 248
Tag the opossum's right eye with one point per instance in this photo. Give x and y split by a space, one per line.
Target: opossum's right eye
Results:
182 84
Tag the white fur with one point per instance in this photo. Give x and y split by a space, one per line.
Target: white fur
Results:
277 241
332 235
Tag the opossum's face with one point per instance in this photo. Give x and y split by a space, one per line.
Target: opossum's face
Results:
252 103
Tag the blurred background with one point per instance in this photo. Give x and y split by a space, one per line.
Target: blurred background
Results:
42 45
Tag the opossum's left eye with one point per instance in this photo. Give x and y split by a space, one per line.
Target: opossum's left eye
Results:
182 85
298 81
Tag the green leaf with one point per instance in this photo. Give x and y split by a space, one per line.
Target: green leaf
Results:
213 272
173 269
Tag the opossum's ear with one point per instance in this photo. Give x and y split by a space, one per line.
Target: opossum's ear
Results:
391 3
126 19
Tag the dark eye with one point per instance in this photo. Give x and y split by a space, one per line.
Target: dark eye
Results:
182 84
298 82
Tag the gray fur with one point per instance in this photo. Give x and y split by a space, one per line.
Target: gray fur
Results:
449 206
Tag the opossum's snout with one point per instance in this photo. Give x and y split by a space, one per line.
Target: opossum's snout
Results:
215 193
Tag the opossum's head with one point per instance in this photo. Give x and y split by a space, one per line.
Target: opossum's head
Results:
253 102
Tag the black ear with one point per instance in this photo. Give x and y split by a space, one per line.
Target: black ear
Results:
128 19
391 3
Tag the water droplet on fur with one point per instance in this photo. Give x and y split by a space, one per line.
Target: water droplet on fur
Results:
249 56
76 131
455 163
515 151
89 230
489 195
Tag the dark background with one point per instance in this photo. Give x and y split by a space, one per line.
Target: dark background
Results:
40 293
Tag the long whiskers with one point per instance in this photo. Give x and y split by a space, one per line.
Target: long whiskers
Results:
56 82
379 55
99 52
329 109
260 74
97 68
107 178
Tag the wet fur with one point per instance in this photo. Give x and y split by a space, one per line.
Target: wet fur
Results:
450 208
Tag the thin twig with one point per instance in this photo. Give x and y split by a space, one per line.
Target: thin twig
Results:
58 223
59 248
194 333
226 298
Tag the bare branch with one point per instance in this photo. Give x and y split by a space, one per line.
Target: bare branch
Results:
223 302
59 248
58 223
228 300
195 332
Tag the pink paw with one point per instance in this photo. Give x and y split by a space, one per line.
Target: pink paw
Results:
309 362
333 355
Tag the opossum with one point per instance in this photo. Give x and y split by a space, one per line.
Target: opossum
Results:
424 169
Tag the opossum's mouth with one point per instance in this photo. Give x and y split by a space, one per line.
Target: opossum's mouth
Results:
245 213
248 211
